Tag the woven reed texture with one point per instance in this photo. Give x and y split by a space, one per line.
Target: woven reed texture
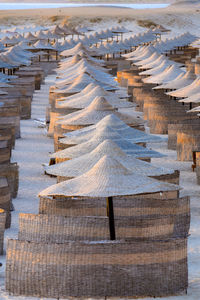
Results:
59 131
11 172
198 174
165 110
194 124
2 229
170 178
123 207
159 118
59 229
11 121
186 143
155 268
5 149
5 199
8 130
25 107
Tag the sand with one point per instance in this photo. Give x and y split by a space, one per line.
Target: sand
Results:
179 18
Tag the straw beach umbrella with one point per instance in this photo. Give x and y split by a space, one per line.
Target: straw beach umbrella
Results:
108 178
86 100
75 50
78 166
81 82
110 121
97 110
169 74
183 79
186 91
101 135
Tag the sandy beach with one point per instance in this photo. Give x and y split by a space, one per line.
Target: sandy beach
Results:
178 18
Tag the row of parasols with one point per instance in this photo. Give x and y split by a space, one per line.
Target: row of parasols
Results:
161 86
114 224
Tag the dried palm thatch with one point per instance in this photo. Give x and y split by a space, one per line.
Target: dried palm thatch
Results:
108 177
78 166
101 135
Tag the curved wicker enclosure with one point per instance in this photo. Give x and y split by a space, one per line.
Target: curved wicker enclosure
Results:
160 116
89 269
11 172
36 72
54 116
171 178
59 229
2 228
142 93
25 107
5 149
123 207
9 131
193 124
59 130
168 106
186 143
198 167
13 122
5 199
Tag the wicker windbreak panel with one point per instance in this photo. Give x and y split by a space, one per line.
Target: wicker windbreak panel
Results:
123 207
58 229
5 199
80 269
2 228
11 172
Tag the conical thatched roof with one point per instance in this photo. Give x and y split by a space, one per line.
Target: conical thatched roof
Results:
143 54
78 166
182 80
101 135
29 36
77 62
169 74
135 52
108 177
83 92
57 31
84 101
192 99
187 90
110 121
160 61
147 60
76 49
43 46
69 61
194 110
157 68
81 82
96 111
87 68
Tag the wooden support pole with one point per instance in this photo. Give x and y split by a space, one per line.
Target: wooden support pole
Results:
110 213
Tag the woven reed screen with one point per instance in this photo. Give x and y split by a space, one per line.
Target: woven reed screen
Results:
155 268
59 229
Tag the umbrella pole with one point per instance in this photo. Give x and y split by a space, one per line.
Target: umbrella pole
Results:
110 213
